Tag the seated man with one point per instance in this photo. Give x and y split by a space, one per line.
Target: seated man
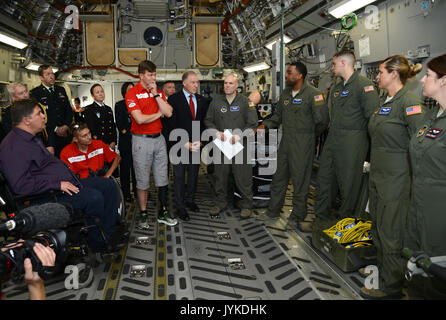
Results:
88 157
31 169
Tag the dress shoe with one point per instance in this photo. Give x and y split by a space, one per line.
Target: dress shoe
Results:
183 215
192 206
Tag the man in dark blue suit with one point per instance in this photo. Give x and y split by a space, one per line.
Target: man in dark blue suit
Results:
189 109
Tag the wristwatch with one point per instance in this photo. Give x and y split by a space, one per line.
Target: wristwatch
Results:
156 95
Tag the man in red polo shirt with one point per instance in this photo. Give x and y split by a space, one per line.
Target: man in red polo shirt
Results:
85 155
147 105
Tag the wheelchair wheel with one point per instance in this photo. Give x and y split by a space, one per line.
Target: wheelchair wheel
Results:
122 210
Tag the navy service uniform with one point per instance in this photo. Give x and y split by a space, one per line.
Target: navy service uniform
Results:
101 122
59 113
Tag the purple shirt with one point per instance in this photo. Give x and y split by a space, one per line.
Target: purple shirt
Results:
29 167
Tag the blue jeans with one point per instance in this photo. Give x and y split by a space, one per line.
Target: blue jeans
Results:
97 197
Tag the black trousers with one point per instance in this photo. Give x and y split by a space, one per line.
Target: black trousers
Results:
185 192
126 168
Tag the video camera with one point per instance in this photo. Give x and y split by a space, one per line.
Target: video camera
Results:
28 224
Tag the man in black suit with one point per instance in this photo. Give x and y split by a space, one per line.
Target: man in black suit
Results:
189 108
59 113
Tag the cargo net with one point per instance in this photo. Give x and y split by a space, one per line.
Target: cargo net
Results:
351 233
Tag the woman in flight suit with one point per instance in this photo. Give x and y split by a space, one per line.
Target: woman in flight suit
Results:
427 216
391 127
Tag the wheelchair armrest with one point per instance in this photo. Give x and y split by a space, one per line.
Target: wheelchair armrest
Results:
48 194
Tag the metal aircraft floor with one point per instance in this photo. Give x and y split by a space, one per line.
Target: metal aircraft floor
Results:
215 259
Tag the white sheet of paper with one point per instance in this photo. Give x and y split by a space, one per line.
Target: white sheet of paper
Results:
228 149
364 47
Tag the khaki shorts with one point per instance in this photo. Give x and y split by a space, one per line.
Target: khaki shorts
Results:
150 154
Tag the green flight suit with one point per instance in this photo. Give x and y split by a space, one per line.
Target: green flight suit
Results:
347 144
427 215
302 117
223 115
390 128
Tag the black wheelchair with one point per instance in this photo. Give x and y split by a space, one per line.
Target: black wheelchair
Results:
77 248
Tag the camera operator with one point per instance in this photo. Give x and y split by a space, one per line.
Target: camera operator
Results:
35 284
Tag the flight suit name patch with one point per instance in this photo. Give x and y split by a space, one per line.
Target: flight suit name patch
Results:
385 110
433 133
234 108
297 101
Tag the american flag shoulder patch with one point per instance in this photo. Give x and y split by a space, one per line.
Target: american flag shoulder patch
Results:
368 89
413 110
318 98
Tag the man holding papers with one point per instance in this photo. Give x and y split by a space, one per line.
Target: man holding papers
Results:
232 111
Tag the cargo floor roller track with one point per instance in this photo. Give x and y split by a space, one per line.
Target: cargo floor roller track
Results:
204 258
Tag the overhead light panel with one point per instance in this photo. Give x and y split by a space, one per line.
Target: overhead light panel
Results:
270 44
35 67
256 67
12 41
347 6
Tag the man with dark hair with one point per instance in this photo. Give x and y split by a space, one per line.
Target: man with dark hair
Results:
79 115
352 101
189 108
89 157
146 105
303 114
169 88
31 169
60 115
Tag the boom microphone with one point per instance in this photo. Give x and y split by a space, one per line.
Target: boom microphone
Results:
39 218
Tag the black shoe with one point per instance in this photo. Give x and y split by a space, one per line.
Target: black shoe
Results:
192 206
183 215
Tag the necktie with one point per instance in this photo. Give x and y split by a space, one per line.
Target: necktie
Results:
192 107
52 90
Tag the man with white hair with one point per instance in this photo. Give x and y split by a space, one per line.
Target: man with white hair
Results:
352 101
232 111
17 91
